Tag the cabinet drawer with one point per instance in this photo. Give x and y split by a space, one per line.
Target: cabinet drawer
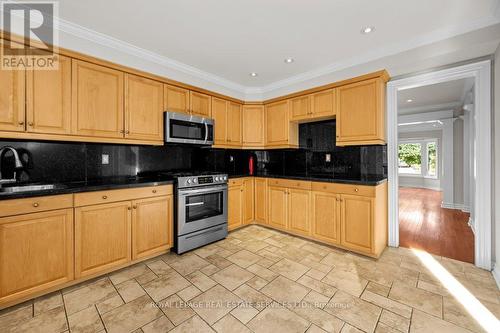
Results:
36 204
235 182
290 183
362 190
99 197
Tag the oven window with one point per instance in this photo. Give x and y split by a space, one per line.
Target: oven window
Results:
186 130
203 206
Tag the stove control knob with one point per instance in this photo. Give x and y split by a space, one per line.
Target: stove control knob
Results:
216 179
188 181
195 180
225 178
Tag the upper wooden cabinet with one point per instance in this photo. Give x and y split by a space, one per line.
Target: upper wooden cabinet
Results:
143 108
176 99
200 104
313 107
234 124
280 133
219 115
97 100
12 98
254 129
152 226
48 102
36 253
360 113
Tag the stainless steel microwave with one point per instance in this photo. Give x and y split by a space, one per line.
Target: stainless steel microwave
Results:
184 128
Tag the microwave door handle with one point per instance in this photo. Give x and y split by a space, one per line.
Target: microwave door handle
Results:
206 132
195 204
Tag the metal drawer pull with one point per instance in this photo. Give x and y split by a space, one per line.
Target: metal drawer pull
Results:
206 232
35 204
195 204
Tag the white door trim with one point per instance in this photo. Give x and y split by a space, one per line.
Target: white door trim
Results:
481 72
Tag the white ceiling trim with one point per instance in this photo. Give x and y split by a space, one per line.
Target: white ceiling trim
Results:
432 108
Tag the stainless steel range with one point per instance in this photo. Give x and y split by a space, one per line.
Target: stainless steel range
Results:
200 210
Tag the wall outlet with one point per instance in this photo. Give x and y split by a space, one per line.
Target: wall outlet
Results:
231 158
328 157
105 159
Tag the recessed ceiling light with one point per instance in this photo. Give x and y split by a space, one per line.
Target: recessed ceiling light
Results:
367 30
409 100
289 60
253 74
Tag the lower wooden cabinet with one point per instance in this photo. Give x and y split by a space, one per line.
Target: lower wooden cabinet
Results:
260 200
277 207
240 202
152 223
36 253
248 200
356 222
325 217
234 204
102 237
299 207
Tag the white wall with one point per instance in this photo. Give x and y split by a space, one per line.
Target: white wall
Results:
496 166
458 162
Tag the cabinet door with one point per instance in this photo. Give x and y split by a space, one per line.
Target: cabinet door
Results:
323 104
253 123
48 102
219 115
248 200
200 104
143 108
300 108
234 124
152 226
277 205
102 237
277 123
97 100
12 94
325 217
234 216
36 252
176 99
356 222
299 205
260 200
360 113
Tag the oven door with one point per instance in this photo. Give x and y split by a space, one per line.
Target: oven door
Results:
181 128
200 208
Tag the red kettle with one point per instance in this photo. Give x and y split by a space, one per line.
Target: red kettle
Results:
251 165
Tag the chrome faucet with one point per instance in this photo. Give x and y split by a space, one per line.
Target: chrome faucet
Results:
17 162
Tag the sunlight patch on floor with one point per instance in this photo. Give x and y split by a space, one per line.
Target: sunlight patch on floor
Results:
473 306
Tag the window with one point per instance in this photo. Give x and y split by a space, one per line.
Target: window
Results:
418 158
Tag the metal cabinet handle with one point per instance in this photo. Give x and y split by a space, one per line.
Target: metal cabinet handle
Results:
36 204
104 197
356 190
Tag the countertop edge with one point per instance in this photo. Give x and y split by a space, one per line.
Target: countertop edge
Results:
320 180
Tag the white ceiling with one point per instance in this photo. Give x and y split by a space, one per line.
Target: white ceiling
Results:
441 96
215 44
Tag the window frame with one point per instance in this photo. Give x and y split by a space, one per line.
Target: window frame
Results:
424 157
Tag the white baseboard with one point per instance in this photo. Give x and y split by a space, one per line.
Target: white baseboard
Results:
496 274
462 207
420 186
471 225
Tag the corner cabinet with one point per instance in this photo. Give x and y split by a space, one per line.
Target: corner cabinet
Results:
361 113
280 132
240 202
260 200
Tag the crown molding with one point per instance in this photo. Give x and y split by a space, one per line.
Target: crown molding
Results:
430 108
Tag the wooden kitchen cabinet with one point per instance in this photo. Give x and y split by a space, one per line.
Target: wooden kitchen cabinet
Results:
278 207
299 206
219 115
361 113
102 237
356 222
253 126
234 124
36 253
48 100
323 104
280 133
12 96
143 108
325 219
300 108
200 104
152 226
97 100
235 204
260 200
248 200
176 99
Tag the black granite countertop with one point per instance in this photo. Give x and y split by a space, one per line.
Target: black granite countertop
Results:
111 183
369 180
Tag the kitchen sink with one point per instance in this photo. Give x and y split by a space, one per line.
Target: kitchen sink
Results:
30 188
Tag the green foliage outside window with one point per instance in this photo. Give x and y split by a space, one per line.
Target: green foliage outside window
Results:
410 154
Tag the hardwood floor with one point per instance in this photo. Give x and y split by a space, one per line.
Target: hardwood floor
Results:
423 224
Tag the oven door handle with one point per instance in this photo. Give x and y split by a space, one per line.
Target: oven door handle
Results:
207 190
206 132
194 204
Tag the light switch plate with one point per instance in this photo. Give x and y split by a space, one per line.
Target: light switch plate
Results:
105 159
328 157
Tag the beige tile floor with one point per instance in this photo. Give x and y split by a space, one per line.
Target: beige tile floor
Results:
260 280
